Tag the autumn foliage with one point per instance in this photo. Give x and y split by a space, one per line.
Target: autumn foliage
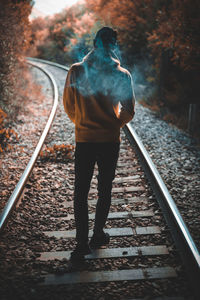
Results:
5 132
64 37
175 46
14 39
57 153
159 43
166 35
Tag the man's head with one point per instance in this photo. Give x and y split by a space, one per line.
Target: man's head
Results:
105 38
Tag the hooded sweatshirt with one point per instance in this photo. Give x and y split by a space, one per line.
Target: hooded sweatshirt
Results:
98 97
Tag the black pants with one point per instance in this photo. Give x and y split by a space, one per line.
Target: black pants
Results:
86 155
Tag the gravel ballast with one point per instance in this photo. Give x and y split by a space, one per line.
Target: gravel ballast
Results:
177 159
50 187
29 124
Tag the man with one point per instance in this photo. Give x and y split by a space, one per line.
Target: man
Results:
93 90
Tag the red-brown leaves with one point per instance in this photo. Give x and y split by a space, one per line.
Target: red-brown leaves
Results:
57 153
5 133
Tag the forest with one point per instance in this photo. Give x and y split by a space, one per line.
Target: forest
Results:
158 43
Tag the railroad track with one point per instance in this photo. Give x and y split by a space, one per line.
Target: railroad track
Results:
141 259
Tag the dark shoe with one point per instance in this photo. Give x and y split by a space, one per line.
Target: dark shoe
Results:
79 252
99 240
75 265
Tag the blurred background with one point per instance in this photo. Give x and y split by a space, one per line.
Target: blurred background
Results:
158 43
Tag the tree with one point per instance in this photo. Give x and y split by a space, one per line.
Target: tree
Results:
13 41
165 33
133 20
14 27
175 42
63 38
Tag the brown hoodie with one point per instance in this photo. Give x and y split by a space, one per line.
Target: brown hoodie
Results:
93 92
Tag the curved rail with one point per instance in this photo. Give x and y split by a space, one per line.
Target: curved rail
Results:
48 62
180 232
165 200
21 183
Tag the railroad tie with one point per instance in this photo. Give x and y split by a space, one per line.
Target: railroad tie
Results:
106 276
109 253
133 178
130 170
124 171
126 189
114 215
127 163
116 201
113 232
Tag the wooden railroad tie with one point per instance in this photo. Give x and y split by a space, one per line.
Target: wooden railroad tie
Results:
106 276
134 178
142 199
125 189
114 215
113 232
109 253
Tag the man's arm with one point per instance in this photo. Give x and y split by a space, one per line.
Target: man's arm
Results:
68 96
128 101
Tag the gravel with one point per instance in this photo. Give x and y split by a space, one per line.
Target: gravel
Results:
47 191
177 158
29 125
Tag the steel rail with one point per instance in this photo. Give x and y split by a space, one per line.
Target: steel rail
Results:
48 63
180 233
23 179
179 230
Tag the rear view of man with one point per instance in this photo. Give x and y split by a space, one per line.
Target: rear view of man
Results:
93 90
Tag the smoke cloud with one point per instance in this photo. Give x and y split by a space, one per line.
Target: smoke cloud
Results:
100 76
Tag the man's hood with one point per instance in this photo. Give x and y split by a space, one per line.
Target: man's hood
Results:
100 58
99 73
